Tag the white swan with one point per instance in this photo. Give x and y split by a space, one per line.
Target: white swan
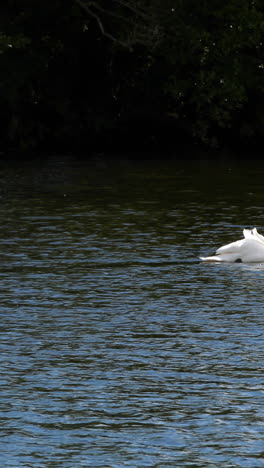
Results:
248 250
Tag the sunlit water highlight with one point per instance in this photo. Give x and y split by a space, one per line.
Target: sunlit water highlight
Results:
119 348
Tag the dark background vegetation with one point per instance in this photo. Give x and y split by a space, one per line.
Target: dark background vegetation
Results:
118 75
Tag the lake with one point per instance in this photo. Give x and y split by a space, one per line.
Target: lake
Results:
119 348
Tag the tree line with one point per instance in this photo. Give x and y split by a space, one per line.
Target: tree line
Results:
122 74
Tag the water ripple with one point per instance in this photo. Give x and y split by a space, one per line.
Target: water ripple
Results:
119 348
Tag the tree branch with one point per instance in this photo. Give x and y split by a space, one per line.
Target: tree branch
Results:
107 12
86 8
137 11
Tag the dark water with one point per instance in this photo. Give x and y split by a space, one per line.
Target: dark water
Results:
119 348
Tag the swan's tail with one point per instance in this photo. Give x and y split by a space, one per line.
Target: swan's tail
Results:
224 257
214 258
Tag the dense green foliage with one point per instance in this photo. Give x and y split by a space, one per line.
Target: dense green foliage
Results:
112 74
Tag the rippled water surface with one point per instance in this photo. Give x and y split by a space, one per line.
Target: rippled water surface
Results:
119 348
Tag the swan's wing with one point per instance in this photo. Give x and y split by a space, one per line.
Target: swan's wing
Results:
248 233
251 240
248 250
253 233
233 247
257 235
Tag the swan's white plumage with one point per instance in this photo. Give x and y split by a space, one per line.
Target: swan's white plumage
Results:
250 249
